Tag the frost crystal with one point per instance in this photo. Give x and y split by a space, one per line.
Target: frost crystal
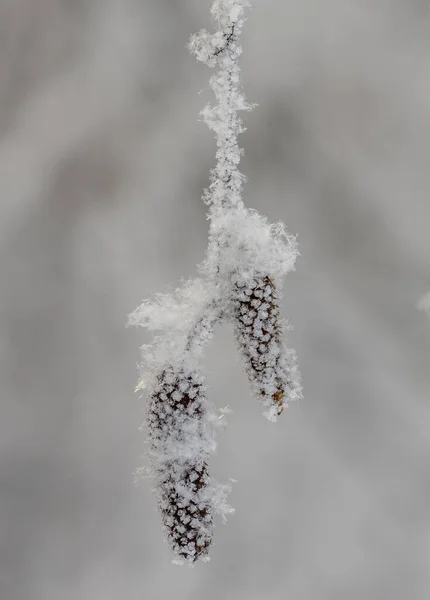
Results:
240 280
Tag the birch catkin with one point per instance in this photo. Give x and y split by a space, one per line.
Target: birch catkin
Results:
176 413
270 366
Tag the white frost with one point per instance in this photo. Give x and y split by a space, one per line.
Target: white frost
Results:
240 279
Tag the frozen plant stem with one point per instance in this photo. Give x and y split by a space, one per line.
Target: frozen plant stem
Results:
240 280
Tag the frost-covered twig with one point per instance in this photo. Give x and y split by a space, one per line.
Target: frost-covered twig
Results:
240 280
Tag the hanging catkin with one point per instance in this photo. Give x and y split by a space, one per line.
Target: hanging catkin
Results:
176 413
270 366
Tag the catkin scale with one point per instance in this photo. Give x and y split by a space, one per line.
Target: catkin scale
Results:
175 421
259 335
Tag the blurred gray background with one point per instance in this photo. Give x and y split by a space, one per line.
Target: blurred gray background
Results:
102 166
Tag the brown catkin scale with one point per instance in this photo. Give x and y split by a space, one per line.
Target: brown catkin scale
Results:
175 421
259 335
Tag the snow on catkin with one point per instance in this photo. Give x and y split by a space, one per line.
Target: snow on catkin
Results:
180 421
271 367
179 449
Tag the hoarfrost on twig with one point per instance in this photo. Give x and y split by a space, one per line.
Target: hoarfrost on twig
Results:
240 280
